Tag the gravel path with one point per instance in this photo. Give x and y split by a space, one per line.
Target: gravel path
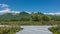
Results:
34 30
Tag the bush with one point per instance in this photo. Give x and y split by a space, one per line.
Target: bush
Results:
55 30
6 30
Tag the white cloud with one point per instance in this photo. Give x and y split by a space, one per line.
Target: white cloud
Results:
4 5
57 13
6 9
15 12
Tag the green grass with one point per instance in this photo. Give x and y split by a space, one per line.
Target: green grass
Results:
29 22
55 30
4 30
9 30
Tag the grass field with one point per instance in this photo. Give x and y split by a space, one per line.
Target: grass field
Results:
29 23
9 30
55 30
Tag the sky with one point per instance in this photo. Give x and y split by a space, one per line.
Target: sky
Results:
44 6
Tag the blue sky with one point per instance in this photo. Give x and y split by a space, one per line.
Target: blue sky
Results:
46 6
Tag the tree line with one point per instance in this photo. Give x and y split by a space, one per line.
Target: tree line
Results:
24 16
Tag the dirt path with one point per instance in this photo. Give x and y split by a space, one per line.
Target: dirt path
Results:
34 30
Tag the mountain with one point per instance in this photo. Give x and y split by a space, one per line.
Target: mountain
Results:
9 16
24 15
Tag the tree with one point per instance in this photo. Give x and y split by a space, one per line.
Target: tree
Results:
36 17
46 18
25 19
40 13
